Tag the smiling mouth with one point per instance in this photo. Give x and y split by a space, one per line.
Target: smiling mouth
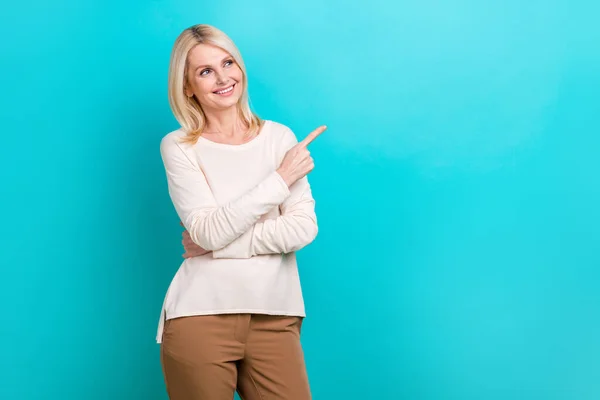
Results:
226 90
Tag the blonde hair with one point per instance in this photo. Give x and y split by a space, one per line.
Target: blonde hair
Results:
187 110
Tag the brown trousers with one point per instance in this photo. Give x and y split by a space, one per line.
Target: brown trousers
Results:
210 357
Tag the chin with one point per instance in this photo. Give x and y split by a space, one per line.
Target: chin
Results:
228 103
225 105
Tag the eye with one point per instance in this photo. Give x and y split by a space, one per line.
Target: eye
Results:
204 72
228 63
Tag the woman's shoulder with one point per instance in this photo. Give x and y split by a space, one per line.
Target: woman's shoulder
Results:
173 136
173 142
281 132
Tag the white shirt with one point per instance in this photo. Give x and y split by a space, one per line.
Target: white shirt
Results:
232 202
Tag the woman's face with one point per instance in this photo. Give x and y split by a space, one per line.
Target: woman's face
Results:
213 77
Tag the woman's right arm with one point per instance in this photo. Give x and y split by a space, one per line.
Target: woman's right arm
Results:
210 226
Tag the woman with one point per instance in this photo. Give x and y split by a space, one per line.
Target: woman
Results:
232 315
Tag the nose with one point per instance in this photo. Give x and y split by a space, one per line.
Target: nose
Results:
221 78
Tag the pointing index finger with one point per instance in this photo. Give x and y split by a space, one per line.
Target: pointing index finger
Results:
313 135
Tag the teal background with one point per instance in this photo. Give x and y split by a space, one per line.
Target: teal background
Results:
457 192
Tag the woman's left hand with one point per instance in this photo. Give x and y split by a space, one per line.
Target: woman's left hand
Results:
191 248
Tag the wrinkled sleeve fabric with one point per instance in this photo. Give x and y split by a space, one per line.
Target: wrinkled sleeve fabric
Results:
294 229
211 226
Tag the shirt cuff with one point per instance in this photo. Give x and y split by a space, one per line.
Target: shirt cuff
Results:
284 187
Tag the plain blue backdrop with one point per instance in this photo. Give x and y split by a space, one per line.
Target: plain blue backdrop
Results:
457 192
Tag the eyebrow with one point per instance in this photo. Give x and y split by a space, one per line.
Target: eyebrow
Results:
205 66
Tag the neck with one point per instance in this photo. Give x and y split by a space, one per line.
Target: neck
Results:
224 122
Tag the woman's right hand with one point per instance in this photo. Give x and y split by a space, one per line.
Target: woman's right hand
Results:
190 248
297 162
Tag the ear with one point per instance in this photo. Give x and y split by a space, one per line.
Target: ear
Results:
186 87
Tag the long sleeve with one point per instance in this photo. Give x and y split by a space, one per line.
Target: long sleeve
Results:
295 228
211 226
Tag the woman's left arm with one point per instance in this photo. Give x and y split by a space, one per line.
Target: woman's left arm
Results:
295 228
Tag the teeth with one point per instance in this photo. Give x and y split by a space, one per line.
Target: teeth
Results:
229 89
